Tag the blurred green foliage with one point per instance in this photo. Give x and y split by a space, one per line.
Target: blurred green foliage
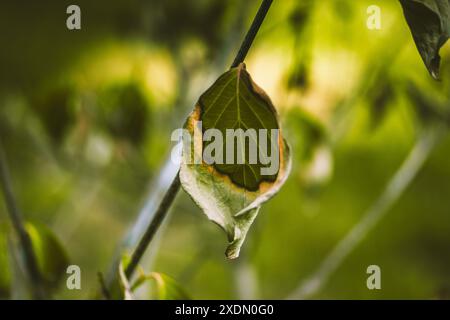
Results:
51 257
86 118
5 274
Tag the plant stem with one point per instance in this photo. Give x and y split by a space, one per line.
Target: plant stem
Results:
175 186
19 226
153 226
394 189
251 33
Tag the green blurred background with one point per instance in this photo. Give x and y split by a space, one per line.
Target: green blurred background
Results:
86 118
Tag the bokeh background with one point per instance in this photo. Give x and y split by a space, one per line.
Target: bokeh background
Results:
86 118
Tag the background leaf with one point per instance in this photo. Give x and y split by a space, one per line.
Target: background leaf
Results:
5 272
51 257
167 288
231 194
429 21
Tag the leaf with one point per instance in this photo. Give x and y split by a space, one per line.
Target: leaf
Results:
5 270
429 21
166 287
51 257
231 194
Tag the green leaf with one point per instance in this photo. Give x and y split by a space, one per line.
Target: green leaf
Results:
51 257
5 270
231 194
429 21
166 287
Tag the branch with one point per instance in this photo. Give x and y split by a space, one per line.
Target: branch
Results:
153 226
251 33
175 186
394 189
19 227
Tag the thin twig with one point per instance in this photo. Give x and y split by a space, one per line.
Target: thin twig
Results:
251 33
175 186
153 226
395 188
19 226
